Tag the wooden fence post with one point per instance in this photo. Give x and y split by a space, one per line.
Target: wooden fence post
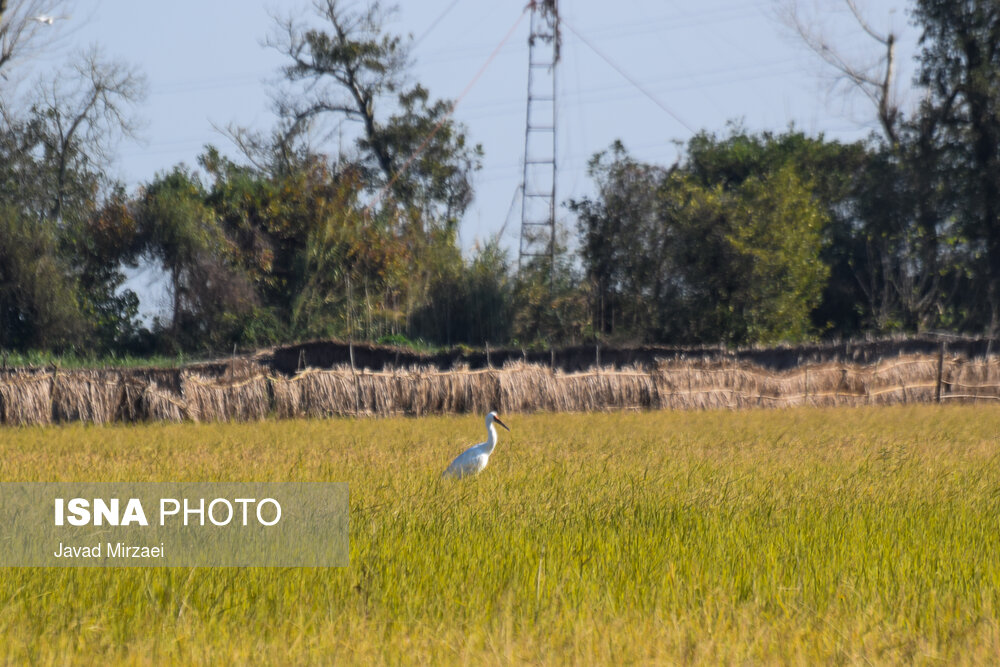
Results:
807 387
357 383
940 373
52 392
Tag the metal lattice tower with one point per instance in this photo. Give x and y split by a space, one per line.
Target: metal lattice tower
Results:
538 209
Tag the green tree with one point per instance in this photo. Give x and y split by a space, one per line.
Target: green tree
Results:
472 305
99 246
348 70
959 127
51 172
318 265
210 296
38 299
776 238
327 258
551 300
724 247
614 227
354 271
745 262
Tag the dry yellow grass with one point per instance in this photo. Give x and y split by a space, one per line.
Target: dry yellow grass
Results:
249 392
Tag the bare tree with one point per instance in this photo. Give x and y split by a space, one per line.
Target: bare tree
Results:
84 111
26 26
876 81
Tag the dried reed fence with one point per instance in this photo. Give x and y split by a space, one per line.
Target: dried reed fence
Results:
254 392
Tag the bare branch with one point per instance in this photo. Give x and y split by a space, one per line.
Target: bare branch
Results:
86 109
853 6
341 73
876 82
22 34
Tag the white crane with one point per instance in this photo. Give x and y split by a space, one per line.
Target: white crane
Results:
475 458
47 20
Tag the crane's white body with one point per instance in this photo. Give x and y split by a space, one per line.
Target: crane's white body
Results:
47 20
475 458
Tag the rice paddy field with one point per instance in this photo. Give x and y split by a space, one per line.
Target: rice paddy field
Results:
797 536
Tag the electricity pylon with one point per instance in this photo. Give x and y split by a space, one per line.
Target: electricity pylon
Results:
538 209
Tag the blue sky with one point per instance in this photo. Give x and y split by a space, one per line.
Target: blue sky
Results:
708 62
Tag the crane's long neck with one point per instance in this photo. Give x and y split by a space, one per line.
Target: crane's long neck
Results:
491 440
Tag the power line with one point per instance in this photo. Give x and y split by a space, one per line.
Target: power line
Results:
510 209
435 22
678 82
614 31
717 17
199 85
629 78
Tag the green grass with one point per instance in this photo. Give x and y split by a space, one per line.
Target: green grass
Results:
802 536
39 359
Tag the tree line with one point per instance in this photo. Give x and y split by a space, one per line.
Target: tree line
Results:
750 237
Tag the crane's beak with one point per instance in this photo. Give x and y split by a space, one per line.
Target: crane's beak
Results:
497 420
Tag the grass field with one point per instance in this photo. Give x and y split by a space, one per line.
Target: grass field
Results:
801 536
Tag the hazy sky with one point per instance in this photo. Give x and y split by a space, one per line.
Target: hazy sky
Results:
708 62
